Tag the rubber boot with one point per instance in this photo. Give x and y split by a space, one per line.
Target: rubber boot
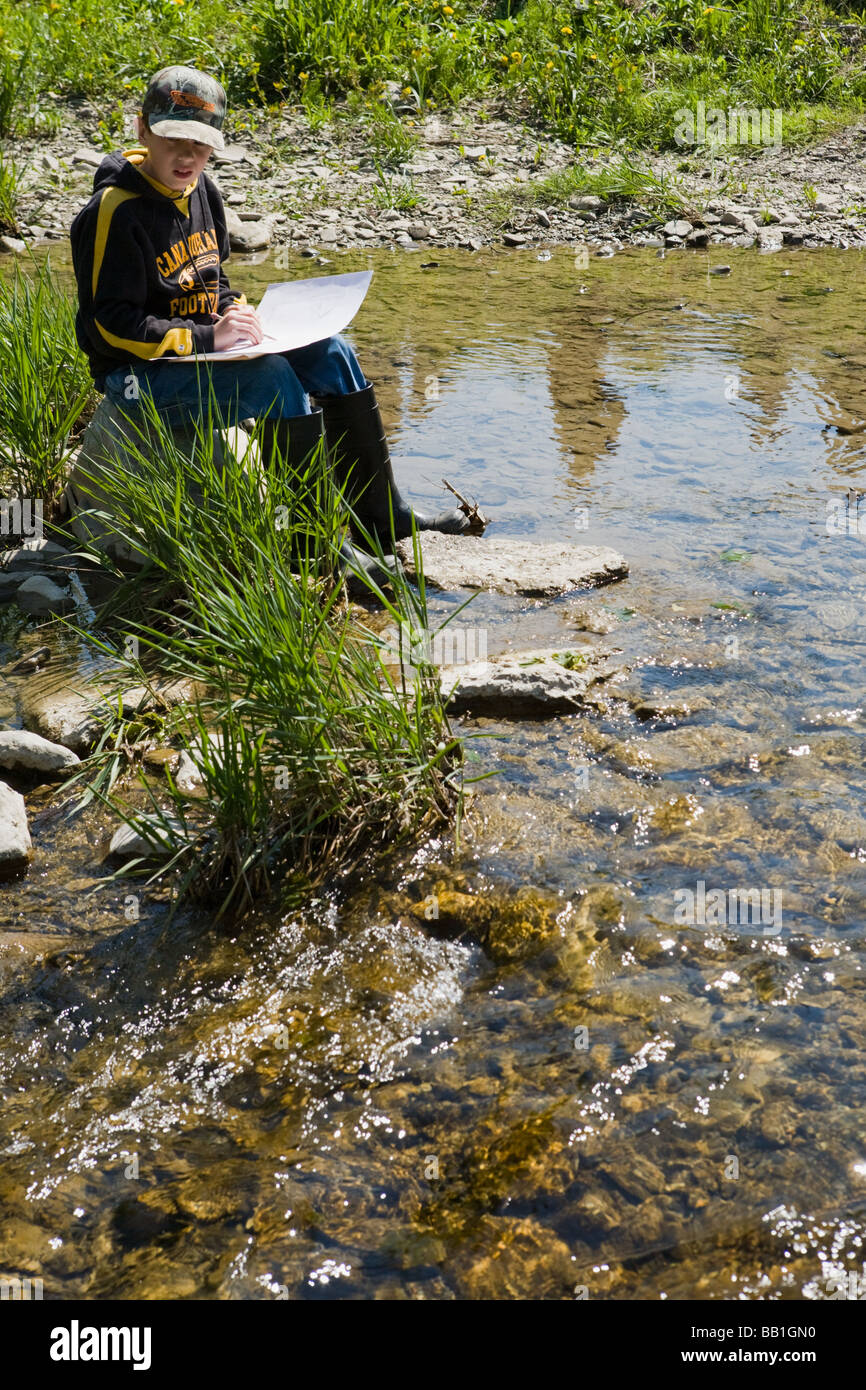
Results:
294 440
362 468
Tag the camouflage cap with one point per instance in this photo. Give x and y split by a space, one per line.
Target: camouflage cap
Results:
183 104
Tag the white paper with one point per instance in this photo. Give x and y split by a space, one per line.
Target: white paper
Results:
296 313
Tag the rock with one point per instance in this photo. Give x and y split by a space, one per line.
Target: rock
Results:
720 270
235 154
188 778
21 749
33 554
732 217
792 236
39 596
541 217
107 437
788 219
61 716
15 844
586 202
245 237
699 237
9 584
514 239
418 231
92 157
13 245
825 202
770 239
535 568
679 228
148 839
537 682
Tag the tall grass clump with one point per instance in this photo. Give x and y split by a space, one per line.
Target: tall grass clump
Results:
45 385
311 758
9 180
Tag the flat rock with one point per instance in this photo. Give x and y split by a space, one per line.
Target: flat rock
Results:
35 553
13 244
245 237
15 844
65 717
536 682
535 568
21 749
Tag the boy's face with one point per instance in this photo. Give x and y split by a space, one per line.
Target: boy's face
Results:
175 163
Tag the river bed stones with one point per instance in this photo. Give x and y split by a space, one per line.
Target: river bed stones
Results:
543 682
16 846
21 750
536 569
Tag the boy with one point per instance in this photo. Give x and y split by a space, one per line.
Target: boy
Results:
149 252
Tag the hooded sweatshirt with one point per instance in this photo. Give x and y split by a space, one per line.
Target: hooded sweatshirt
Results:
148 262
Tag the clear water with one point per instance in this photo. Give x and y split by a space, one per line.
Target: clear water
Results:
557 1084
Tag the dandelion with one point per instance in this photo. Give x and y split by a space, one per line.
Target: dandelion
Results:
517 57
303 76
565 30
446 9
407 92
548 66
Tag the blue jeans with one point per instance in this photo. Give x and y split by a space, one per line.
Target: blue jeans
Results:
274 386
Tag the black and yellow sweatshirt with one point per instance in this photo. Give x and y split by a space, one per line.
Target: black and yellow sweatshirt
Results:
149 267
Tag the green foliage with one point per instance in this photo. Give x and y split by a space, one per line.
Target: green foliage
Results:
311 755
600 70
45 385
9 179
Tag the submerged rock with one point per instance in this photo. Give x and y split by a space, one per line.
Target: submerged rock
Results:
540 569
537 682
15 844
21 749
151 840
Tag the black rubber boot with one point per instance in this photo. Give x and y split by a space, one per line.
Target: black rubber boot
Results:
362 468
293 441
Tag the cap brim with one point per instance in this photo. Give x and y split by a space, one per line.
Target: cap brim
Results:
188 130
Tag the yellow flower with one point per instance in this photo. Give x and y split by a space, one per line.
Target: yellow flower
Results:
517 57
619 89
592 56
565 30
407 91
504 59
446 9
548 66
302 76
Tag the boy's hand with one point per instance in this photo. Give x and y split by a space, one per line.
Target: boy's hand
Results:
239 324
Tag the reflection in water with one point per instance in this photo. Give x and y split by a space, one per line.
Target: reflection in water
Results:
555 1082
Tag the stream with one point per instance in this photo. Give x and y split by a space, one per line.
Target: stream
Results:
361 1103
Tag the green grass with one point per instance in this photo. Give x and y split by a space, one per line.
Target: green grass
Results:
312 758
45 385
601 71
9 179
